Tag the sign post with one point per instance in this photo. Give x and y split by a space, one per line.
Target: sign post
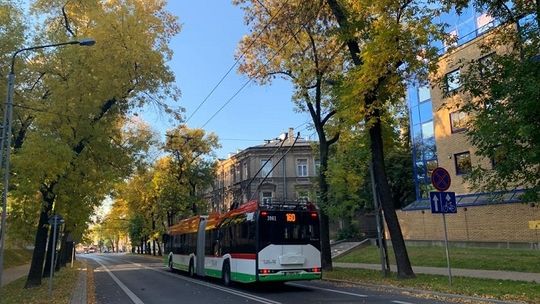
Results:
443 202
536 226
54 220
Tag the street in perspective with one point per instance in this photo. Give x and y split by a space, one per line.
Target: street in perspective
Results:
264 151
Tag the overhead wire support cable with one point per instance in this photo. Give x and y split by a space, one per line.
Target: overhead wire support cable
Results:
253 77
236 62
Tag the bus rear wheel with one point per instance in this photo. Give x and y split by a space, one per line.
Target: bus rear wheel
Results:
171 269
226 274
191 269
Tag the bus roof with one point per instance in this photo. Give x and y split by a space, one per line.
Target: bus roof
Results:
191 225
188 225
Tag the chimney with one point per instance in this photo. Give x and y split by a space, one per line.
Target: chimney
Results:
291 135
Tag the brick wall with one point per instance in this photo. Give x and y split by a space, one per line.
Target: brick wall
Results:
486 223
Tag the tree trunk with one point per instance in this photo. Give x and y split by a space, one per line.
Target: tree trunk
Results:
377 153
159 249
326 251
153 230
36 266
387 203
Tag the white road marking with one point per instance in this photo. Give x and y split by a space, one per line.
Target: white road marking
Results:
128 292
401 302
331 290
202 283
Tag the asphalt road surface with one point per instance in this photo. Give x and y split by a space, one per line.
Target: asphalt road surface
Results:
125 279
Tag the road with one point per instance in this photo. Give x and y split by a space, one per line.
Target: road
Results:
124 279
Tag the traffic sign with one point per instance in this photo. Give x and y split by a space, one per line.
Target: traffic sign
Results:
440 179
443 202
56 220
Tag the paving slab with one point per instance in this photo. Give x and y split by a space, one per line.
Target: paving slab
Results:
13 273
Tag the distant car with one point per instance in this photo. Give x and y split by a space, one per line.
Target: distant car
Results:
91 250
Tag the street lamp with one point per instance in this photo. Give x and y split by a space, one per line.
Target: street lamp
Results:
5 141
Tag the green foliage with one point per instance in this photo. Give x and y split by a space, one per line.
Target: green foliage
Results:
73 138
503 103
507 290
348 232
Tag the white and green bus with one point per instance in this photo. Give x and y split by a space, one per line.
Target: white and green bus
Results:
273 242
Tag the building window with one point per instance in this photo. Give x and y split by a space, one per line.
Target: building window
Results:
486 64
483 23
317 164
301 167
266 197
458 121
245 165
463 163
266 168
423 94
427 130
452 81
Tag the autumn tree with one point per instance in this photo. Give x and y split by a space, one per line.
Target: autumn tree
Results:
293 40
389 43
80 97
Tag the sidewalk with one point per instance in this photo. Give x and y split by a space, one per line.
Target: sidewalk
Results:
458 272
13 273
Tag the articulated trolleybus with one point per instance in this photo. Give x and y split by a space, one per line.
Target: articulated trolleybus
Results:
271 242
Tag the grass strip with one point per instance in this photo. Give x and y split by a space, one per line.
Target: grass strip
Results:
64 282
521 260
486 288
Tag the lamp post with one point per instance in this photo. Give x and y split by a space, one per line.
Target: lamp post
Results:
5 141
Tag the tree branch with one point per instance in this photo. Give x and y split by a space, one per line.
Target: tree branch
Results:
66 20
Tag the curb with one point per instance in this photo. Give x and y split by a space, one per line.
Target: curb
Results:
361 243
426 292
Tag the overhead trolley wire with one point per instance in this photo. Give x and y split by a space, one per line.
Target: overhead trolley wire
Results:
252 77
237 61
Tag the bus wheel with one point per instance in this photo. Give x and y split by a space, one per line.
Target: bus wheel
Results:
191 269
226 274
171 269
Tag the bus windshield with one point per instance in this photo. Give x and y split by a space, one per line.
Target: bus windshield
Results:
281 228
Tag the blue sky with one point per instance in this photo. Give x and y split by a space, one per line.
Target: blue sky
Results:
203 52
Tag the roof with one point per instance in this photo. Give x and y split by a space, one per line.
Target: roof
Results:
189 225
474 199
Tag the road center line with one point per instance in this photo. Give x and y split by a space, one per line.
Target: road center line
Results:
202 283
330 290
128 292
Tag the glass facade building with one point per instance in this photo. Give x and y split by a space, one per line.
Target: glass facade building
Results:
466 26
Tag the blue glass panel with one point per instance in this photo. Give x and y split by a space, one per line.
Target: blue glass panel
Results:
423 93
466 24
412 95
420 170
429 149
426 111
427 130
417 133
415 115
